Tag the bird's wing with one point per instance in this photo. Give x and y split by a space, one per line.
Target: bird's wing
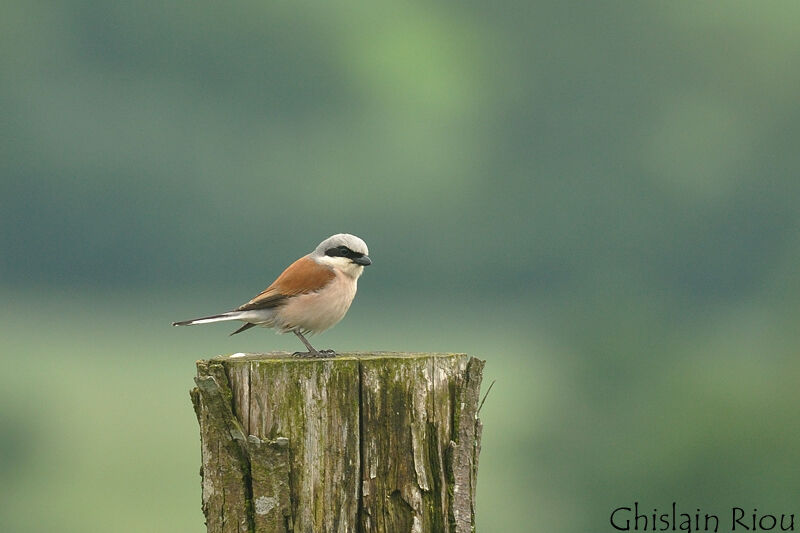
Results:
302 276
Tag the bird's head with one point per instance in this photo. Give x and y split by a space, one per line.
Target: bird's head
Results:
344 252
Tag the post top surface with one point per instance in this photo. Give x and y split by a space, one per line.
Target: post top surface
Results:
345 356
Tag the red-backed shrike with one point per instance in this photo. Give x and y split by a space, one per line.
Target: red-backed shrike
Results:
310 296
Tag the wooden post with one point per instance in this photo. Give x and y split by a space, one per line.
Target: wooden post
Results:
367 442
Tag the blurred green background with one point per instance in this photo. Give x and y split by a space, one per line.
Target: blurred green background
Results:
601 199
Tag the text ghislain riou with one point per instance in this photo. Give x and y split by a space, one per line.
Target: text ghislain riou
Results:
738 519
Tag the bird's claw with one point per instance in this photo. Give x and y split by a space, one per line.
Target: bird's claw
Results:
314 354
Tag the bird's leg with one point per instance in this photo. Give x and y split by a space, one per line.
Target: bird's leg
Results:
312 352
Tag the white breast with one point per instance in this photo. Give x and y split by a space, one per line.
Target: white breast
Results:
317 311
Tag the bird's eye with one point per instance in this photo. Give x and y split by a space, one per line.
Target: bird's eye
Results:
344 250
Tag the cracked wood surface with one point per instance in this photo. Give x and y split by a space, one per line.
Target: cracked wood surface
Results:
367 442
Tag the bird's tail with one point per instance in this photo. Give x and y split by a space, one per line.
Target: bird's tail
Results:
230 315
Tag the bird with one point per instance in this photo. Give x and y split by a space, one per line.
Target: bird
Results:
310 296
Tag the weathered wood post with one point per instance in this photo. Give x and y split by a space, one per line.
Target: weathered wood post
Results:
366 442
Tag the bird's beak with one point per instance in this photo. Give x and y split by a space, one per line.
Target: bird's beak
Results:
363 260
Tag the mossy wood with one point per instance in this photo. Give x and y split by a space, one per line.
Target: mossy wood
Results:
382 443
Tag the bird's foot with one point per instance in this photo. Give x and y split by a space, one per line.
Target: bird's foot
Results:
314 353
